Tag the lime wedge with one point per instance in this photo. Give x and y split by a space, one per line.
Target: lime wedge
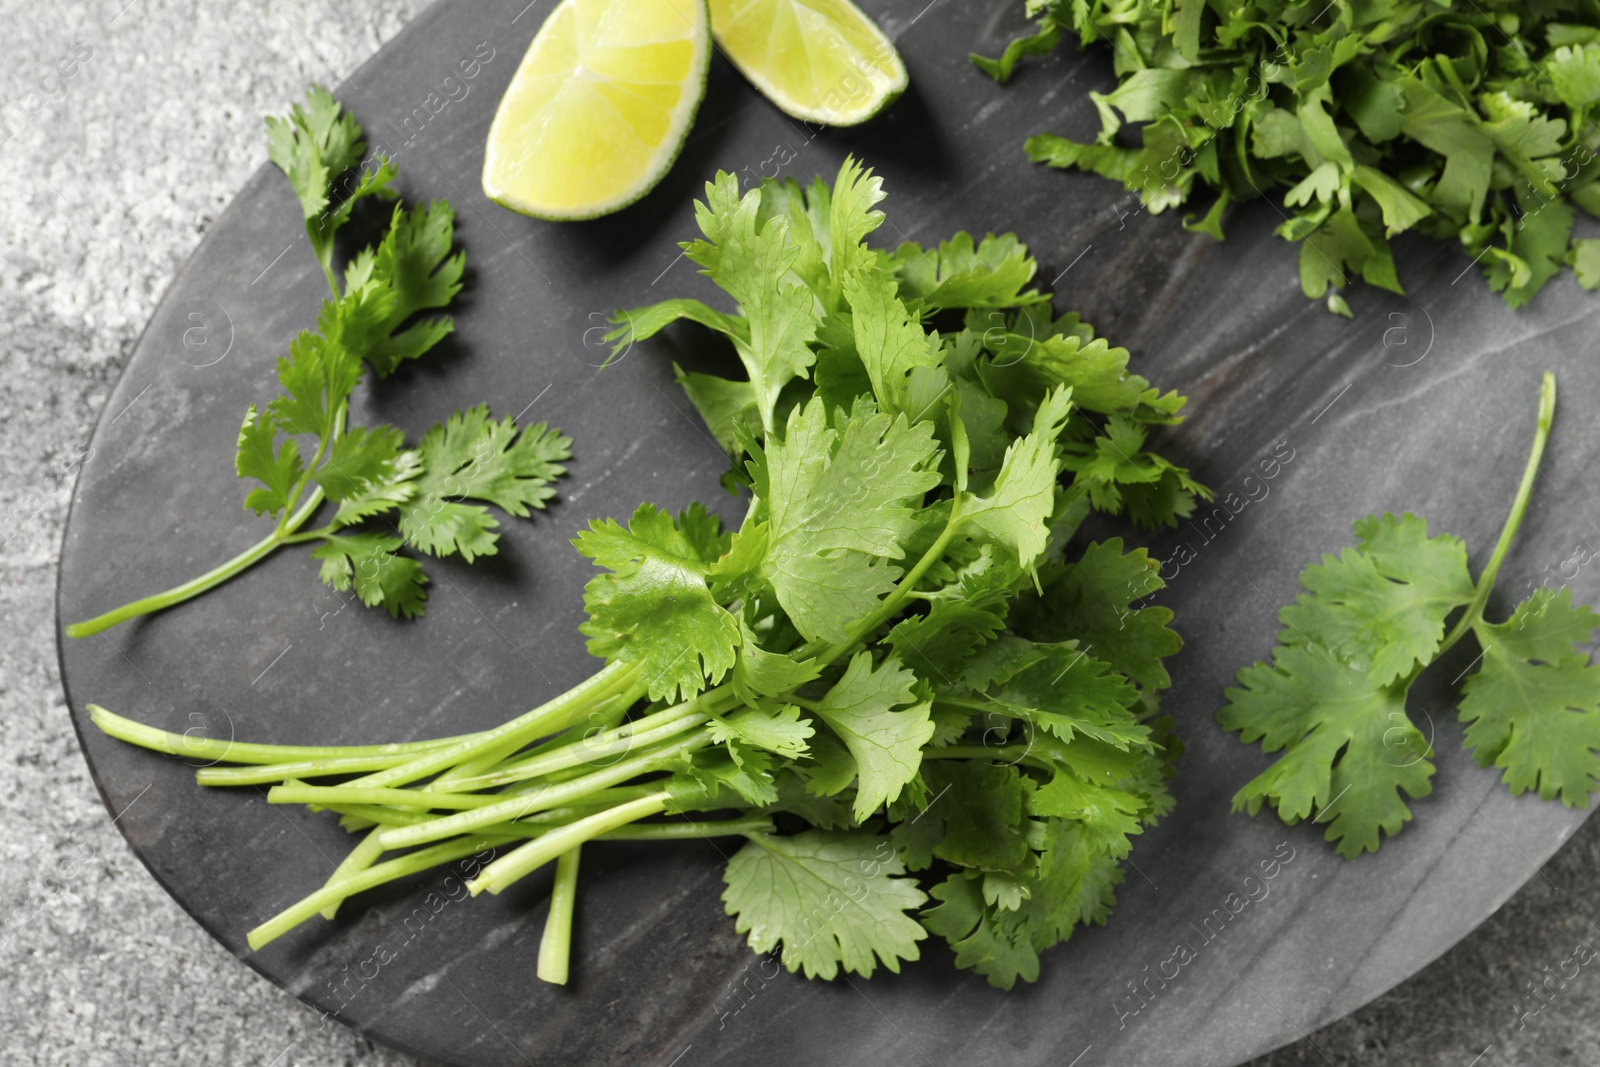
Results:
599 107
818 60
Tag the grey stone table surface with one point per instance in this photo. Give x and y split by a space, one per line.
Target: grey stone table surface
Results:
124 131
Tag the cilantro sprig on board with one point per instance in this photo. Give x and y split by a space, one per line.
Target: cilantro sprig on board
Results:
1333 699
297 447
919 708
1466 123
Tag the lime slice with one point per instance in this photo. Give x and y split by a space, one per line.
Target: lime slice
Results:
818 60
599 107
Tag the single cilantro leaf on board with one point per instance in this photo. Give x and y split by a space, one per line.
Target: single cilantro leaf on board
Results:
372 565
655 609
1350 750
877 714
471 456
1380 607
832 900
1532 707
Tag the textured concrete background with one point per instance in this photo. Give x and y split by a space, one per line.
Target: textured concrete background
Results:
108 179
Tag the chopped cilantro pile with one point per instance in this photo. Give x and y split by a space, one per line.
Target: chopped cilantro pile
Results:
921 711
1333 699
1464 122
387 495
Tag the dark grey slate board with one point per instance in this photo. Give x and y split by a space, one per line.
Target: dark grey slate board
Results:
1423 403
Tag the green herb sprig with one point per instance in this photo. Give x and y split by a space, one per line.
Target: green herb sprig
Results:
430 496
918 709
1333 699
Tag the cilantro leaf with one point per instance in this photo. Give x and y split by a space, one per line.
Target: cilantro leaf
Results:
901 360
759 673
1351 750
410 271
1092 600
1533 706
838 502
833 900
371 564
998 951
315 144
750 266
655 608
975 816
959 275
1024 493
1062 689
782 732
1381 606
877 714
368 472
276 466
471 456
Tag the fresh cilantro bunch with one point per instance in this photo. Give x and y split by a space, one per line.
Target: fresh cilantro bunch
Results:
1333 699
919 709
387 495
1467 123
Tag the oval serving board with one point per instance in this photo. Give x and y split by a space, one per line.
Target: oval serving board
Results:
1424 402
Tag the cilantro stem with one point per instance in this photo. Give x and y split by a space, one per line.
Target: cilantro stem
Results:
359 859
195 586
536 853
505 808
335 430
301 793
137 733
1519 506
620 740
608 712
376 875
555 948
284 533
263 773
553 715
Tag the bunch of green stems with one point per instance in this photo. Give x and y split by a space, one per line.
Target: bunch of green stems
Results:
567 772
